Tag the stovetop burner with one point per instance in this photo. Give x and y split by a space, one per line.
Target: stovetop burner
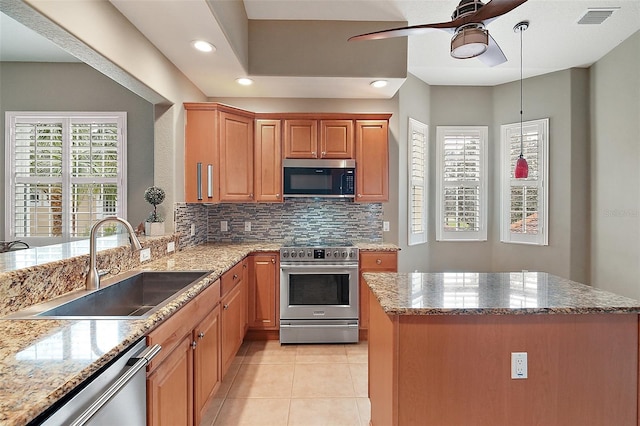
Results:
318 243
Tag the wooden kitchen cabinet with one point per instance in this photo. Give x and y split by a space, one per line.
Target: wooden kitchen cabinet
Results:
219 138
206 361
268 161
186 372
372 161
200 155
336 139
236 157
372 261
318 139
170 388
264 291
234 312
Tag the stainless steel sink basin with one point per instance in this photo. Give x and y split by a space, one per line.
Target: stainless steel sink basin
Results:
134 295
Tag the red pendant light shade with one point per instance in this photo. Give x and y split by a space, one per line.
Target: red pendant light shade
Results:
522 168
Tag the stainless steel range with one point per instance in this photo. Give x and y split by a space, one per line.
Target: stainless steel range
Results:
319 293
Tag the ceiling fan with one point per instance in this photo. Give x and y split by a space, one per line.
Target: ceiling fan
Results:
468 25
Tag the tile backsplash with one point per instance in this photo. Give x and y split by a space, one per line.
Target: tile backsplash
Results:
306 219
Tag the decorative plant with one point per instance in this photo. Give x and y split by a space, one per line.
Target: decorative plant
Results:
154 195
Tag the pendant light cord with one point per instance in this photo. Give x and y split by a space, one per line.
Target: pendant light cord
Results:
521 132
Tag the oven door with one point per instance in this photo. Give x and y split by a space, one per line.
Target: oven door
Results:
318 292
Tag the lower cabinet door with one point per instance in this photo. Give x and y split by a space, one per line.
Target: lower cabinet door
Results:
170 389
233 317
206 358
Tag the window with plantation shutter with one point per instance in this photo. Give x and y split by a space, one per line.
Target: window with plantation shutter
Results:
65 171
417 208
524 202
462 183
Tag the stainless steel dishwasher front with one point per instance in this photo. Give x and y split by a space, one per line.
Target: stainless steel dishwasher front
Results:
117 396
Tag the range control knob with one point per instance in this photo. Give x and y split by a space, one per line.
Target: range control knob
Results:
285 254
351 254
309 254
328 253
344 254
294 254
336 253
301 253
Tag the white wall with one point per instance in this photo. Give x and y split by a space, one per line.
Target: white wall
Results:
615 170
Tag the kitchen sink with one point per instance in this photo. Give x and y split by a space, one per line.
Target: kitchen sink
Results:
136 294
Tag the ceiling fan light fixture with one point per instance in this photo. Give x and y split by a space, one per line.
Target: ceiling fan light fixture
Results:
469 42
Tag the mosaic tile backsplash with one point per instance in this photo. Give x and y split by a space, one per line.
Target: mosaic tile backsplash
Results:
305 219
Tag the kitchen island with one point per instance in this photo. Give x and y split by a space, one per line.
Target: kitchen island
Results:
440 348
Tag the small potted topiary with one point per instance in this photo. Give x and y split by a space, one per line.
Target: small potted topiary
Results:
154 224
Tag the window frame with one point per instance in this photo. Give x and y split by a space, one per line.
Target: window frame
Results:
482 133
67 119
507 182
417 127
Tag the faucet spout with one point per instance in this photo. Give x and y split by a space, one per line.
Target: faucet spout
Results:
93 276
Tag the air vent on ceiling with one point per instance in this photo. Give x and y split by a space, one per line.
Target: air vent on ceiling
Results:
596 16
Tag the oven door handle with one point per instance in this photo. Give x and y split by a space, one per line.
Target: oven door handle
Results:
317 325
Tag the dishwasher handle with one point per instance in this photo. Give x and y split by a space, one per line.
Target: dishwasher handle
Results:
137 363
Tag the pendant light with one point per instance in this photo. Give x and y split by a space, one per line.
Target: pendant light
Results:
522 168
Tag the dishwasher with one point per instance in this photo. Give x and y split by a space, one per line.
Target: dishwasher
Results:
116 396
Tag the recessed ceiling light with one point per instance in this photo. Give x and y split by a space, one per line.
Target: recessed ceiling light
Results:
244 81
379 83
203 46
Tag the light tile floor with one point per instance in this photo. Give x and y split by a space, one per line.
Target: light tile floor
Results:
274 385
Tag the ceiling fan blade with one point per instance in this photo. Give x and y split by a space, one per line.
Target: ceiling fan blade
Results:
494 9
493 55
403 31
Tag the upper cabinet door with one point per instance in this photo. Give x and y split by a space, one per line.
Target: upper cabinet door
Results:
372 161
199 156
268 161
236 157
301 138
336 139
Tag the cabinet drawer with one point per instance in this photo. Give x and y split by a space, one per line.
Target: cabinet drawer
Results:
171 331
231 278
379 261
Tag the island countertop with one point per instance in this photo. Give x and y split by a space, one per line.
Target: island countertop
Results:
505 293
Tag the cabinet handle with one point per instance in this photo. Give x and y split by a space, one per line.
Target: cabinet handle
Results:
359 195
278 196
379 261
210 181
251 196
201 335
235 276
225 307
193 344
324 153
273 260
199 180
313 153
244 266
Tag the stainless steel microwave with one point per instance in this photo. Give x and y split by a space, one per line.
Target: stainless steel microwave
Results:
319 178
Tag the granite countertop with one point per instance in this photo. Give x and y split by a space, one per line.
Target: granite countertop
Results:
42 360
467 293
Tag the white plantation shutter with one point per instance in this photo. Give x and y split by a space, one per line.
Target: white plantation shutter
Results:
65 171
525 201
462 183
417 208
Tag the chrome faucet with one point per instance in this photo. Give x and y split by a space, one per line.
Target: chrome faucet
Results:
93 276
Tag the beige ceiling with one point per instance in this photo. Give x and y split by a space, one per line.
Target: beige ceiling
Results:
553 42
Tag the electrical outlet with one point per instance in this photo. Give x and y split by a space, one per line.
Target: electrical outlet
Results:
145 254
519 365
193 229
224 226
171 246
385 226
247 226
